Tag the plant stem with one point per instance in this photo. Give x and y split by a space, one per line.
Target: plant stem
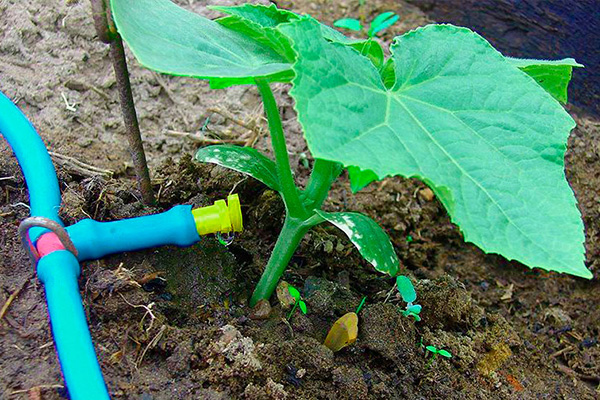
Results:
292 310
324 173
289 191
289 238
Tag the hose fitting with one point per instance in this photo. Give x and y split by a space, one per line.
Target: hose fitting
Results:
220 217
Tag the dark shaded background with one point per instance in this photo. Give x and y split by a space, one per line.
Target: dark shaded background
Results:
549 29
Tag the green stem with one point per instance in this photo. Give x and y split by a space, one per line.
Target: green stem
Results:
292 310
289 191
289 238
324 173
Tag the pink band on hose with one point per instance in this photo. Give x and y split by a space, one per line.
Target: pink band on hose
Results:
48 243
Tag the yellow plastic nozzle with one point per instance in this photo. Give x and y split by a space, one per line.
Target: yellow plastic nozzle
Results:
235 212
219 217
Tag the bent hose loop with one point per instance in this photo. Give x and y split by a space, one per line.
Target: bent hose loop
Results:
52 226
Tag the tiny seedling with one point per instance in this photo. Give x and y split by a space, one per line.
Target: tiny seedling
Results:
409 295
379 24
485 132
435 351
298 302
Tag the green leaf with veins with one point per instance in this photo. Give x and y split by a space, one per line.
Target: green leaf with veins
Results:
242 159
368 237
169 39
259 22
552 75
484 136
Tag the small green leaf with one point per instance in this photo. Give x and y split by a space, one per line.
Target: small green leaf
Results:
370 49
360 179
294 292
444 353
302 306
381 18
242 159
368 237
388 74
432 349
348 23
552 75
382 22
414 309
416 317
383 26
169 39
406 289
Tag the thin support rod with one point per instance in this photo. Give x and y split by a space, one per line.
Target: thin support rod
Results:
136 148
107 33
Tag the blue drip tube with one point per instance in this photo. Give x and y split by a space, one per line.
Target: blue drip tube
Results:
59 270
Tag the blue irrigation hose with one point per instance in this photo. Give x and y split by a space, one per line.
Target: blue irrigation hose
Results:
94 240
59 270
35 162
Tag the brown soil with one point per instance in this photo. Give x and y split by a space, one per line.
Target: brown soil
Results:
513 332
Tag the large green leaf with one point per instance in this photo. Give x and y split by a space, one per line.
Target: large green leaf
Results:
242 159
368 237
552 75
260 23
169 39
488 140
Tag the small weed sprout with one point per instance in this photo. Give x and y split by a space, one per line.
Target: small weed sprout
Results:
435 351
379 24
409 295
298 302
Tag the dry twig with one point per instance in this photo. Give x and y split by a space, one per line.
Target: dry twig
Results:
40 387
14 295
74 165
151 345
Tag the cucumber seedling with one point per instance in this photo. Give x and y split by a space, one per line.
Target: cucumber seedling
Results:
409 295
485 132
298 302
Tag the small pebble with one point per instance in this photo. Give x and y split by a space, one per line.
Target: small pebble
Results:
426 194
261 310
283 295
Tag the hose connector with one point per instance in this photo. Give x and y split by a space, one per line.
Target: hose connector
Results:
220 217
